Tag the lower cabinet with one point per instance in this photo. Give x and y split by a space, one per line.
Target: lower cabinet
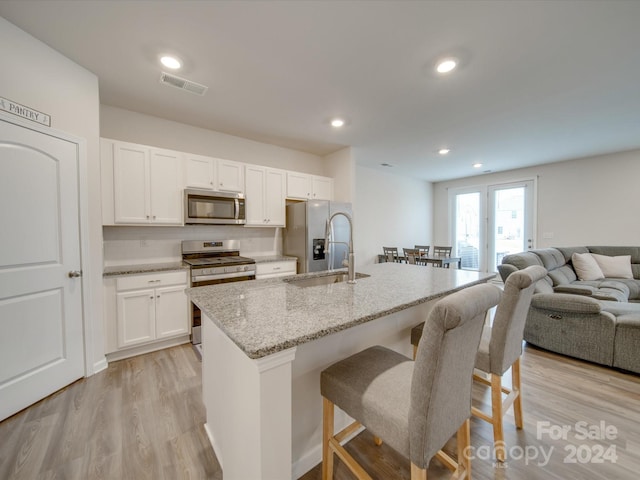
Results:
275 269
146 310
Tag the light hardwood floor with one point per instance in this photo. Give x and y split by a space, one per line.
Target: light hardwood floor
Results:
142 418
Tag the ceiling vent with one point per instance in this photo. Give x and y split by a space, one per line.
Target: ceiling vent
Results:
182 84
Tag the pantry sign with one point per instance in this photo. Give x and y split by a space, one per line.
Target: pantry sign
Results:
24 112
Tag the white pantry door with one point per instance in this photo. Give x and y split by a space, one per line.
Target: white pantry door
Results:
41 325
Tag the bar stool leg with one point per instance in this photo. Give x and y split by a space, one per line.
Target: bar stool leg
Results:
327 434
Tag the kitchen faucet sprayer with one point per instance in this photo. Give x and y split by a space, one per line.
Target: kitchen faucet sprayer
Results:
351 260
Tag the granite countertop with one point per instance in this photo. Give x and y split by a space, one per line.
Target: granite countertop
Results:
144 268
271 258
263 317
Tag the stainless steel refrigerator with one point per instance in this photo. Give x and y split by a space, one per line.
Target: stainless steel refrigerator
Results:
305 234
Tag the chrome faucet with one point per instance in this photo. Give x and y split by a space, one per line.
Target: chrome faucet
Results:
351 275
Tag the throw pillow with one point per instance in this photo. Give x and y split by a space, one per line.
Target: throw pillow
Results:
614 267
586 267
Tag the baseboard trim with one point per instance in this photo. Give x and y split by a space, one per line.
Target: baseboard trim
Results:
147 348
214 445
100 365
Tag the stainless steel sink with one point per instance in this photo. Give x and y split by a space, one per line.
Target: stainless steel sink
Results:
322 279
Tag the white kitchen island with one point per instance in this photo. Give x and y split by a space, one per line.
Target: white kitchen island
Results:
265 343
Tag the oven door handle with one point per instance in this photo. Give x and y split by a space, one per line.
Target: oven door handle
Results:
206 278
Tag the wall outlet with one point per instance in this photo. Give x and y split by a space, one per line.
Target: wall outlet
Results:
143 243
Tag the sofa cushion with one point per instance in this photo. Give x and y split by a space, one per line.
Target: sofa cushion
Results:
563 275
614 251
586 267
551 258
632 285
614 267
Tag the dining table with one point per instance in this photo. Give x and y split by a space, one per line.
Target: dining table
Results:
437 260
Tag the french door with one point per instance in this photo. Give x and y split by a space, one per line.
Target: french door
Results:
510 220
491 221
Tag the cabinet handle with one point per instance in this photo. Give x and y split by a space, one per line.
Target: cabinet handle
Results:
158 296
154 281
147 217
154 217
151 297
276 268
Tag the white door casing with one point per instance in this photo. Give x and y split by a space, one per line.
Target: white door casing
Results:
41 315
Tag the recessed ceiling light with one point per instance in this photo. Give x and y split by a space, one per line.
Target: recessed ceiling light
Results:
170 62
444 151
477 165
446 65
337 122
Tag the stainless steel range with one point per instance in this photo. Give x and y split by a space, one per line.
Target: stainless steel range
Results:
213 262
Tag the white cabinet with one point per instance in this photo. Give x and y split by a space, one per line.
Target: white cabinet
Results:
230 176
322 188
214 174
265 196
200 172
147 185
275 269
309 187
149 309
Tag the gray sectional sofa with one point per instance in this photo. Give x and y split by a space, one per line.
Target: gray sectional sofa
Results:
596 319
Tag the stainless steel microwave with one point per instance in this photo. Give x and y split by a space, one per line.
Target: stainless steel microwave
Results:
213 208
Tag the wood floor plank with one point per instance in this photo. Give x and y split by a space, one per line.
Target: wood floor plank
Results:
143 418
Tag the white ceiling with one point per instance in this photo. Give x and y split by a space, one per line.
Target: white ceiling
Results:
541 81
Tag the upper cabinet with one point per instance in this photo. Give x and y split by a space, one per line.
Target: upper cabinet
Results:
265 196
141 185
230 176
309 187
214 174
200 172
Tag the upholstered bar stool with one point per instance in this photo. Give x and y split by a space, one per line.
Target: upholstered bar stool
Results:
500 349
415 407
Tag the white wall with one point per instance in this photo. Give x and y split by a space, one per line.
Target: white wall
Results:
588 201
37 76
391 211
129 126
341 167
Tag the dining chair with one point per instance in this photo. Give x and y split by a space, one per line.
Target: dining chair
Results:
413 406
411 255
391 254
442 251
424 249
500 349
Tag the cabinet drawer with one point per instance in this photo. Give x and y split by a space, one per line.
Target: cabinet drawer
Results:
271 268
150 280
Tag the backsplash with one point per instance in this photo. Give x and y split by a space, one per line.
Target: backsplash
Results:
140 245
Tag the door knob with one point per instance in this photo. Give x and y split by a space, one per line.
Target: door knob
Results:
74 273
